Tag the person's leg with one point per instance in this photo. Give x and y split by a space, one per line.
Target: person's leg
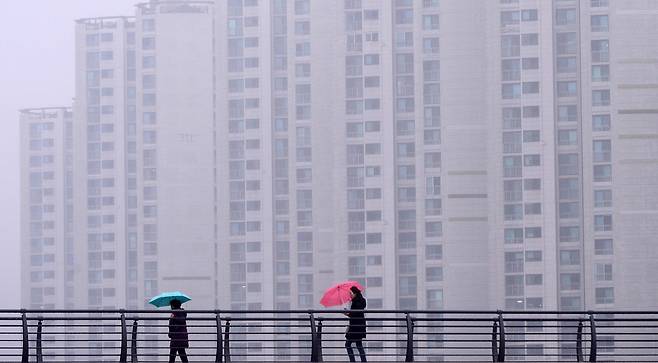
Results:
172 355
362 352
183 355
350 351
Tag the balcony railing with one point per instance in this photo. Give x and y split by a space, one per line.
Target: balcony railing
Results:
318 335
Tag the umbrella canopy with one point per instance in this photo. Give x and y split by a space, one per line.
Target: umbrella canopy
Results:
165 298
339 294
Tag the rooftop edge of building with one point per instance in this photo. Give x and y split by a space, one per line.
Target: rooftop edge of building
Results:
174 2
35 111
94 20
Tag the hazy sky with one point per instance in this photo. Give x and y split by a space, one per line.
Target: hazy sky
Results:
36 70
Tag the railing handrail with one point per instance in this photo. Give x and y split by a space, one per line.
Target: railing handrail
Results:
407 335
332 311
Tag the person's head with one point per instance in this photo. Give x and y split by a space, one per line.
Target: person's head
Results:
355 291
175 304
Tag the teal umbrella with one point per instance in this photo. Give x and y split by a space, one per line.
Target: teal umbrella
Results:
165 298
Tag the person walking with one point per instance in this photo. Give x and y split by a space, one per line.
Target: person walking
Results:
356 330
178 332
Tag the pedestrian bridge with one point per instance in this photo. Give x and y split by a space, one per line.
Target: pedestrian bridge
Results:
318 335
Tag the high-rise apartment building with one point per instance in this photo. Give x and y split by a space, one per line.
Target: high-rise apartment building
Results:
563 180
335 160
46 207
144 146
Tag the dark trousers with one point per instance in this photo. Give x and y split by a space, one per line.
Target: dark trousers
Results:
181 353
359 346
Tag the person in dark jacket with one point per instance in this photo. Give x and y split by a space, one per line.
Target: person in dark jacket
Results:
177 332
356 330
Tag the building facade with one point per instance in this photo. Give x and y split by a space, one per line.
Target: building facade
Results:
446 154
46 207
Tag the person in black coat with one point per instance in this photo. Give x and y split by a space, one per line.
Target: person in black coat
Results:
177 332
356 330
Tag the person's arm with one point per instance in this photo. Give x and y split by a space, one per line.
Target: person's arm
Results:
171 326
347 313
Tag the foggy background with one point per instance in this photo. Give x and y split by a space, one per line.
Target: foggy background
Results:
36 70
555 120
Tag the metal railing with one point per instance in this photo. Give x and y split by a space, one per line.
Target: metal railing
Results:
319 335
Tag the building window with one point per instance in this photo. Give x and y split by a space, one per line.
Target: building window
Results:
567 43
529 15
530 39
533 256
433 252
603 198
569 210
602 173
600 23
601 123
569 257
569 234
602 223
531 160
569 281
567 65
603 271
532 208
533 232
510 17
603 247
530 87
514 285
568 164
567 113
433 229
534 279
513 235
531 136
569 188
600 51
604 295
567 89
430 22
511 69
513 212
404 16
600 73
565 16
511 91
433 274
510 45
356 265
601 98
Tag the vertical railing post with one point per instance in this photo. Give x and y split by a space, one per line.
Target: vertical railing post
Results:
319 342
218 324
123 355
494 341
25 356
227 341
501 346
579 342
39 341
409 357
314 338
592 343
133 343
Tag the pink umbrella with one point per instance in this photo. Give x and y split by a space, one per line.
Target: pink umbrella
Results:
339 294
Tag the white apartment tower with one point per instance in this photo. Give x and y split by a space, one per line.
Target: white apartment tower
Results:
144 146
46 207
